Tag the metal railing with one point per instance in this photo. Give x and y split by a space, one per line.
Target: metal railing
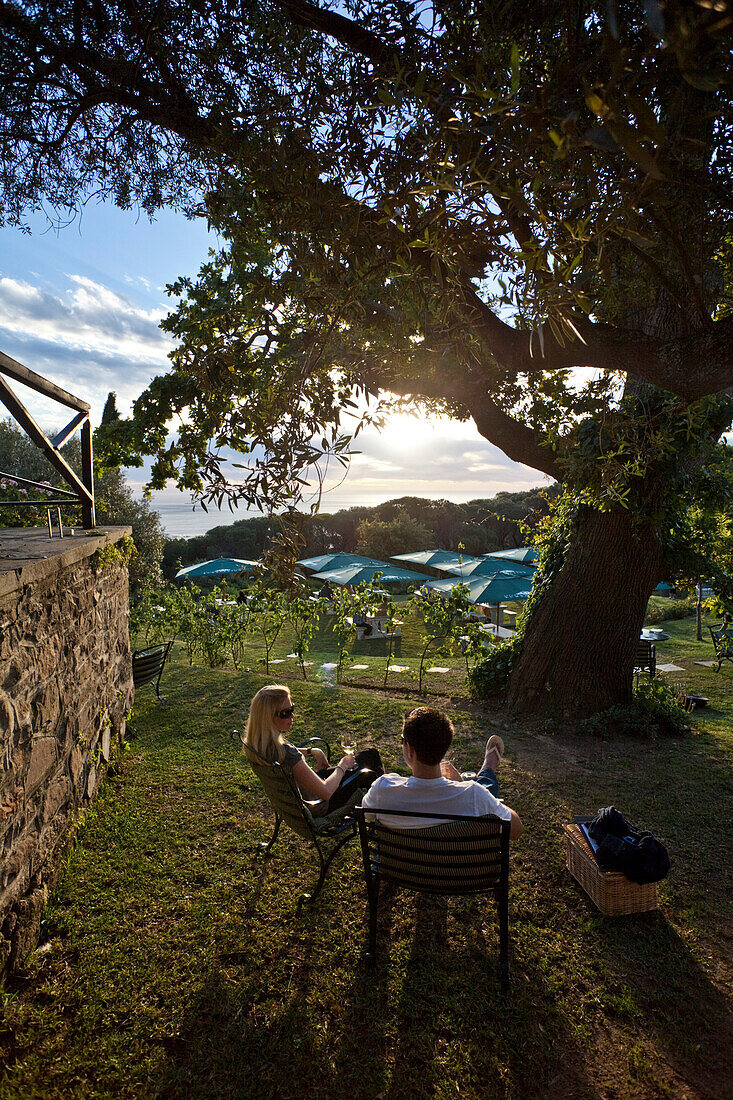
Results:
82 490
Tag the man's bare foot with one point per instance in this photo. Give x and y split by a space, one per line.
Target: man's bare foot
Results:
494 752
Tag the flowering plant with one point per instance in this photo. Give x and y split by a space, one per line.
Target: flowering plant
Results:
23 516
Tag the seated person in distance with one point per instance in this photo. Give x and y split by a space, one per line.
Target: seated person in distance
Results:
435 784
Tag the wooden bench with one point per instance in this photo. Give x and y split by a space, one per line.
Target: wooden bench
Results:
147 665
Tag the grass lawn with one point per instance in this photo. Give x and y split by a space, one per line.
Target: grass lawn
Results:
173 963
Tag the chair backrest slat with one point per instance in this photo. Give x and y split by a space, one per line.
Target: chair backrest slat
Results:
646 658
284 798
458 857
148 663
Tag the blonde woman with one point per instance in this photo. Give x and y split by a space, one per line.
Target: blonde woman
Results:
269 724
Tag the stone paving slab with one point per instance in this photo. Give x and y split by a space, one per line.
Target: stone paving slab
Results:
438 668
707 664
670 668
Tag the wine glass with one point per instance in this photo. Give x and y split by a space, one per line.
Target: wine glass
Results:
348 743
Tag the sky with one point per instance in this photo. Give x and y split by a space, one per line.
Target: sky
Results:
81 305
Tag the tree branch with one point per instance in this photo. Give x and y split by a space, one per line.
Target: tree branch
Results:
515 438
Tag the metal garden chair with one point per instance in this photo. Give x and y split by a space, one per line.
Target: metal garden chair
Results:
645 659
722 643
336 828
466 855
147 666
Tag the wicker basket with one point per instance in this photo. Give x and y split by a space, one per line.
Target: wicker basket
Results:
612 892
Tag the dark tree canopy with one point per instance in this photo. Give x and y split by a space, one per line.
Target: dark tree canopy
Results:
376 171
459 203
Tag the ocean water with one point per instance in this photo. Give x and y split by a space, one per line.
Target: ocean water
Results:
181 521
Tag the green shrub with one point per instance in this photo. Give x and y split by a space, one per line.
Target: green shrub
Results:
677 609
656 711
489 679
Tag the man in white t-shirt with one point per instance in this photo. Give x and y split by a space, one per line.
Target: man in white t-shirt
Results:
435 784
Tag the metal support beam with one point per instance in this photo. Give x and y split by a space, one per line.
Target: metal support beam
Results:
71 427
38 436
88 513
37 485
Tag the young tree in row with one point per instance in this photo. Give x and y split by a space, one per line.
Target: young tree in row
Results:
303 614
444 618
343 626
268 615
460 205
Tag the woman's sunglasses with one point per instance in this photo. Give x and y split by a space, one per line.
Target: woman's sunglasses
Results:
288 712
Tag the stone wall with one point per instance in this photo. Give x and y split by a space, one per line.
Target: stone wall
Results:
65 686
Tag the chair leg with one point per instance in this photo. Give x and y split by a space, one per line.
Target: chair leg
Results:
325 864
264 847
370 954
503 907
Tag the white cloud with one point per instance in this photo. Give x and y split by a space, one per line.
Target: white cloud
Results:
86 315
90 339
85 337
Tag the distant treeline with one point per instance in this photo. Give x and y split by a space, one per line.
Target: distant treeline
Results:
395 527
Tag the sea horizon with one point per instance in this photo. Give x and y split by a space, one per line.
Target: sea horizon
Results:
181 521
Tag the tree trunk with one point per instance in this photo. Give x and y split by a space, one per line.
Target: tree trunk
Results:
698 632
580 641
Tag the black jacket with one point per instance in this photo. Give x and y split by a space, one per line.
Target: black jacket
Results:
622 847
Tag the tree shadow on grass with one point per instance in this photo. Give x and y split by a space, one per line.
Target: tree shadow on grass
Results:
667 996
428 1018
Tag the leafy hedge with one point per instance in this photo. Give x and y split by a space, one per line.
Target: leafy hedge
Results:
489 679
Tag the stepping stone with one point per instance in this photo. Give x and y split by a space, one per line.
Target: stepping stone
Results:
277 660
670 668
399 668
353 668
329 665
707 664
438 668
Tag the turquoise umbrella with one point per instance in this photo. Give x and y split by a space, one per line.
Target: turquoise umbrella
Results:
489 567
339 560
432 557
522 553
356 574
506 585
218 567
457 564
